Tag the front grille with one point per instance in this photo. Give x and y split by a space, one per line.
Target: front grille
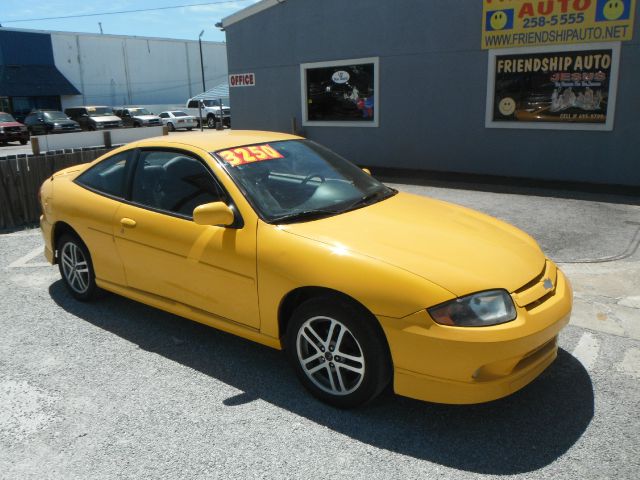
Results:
110 124
538 290
12 129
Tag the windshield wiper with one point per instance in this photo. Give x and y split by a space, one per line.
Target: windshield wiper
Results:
368 199
304 215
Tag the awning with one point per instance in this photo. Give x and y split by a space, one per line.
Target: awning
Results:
219 91
34 81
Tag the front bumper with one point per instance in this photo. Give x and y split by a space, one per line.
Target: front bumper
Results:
472 365
14 136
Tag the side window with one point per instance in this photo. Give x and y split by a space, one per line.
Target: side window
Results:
193 104
173 182
164 115
108 176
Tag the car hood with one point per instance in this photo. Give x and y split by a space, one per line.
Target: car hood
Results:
11 124
106 118
459 249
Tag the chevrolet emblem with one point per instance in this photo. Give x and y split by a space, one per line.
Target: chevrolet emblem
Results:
547 284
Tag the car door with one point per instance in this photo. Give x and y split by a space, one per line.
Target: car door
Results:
165 253
94 213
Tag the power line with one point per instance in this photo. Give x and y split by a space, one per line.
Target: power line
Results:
123 11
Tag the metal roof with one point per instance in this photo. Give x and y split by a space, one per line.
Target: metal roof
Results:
249 11
219 91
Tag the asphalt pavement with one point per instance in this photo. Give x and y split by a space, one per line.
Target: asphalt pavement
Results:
114 389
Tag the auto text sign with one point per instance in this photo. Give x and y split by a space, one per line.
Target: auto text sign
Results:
242 80
560 87
526 23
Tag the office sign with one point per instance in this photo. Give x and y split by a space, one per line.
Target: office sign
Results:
242 80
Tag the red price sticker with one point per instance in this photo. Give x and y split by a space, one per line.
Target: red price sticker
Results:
254 153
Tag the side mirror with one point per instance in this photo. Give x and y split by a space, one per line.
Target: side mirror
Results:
367 171
215 213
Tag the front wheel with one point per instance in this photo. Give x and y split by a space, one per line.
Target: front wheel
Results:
211 122
171 127
338 352
74 262
23 142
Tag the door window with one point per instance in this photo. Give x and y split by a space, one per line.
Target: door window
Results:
173 182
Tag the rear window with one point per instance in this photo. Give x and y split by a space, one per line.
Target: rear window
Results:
107 176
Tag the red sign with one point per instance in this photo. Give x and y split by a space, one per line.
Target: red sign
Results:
254 153
242 80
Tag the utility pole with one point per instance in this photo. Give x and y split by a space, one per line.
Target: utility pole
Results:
204 89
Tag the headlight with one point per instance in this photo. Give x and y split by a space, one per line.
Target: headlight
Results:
120 124
99 125
478 310
1 129
57 126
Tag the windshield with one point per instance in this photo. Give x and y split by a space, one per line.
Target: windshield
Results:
55 116
99 111
5 117
298 180
139 111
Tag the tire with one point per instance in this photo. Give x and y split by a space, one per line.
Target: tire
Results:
23 142
211 121
171 127
189 129
347 369
76 268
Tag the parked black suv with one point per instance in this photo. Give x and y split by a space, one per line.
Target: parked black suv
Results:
46 122
94 118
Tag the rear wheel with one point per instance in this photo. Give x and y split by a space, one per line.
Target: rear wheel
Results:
171 127
74 262
338 352
23 142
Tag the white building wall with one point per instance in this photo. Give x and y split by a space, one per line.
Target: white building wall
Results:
117 70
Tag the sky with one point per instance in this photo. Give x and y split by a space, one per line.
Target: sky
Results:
185 22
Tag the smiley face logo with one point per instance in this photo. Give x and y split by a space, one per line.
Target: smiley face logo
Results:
498 20
507 106
613 9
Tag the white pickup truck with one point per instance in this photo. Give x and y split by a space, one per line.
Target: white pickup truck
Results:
210 112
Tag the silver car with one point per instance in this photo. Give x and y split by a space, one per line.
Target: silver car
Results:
175 119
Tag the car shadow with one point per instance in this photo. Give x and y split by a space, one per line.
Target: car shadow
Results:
521 433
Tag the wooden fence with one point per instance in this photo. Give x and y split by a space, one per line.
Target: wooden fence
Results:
21 177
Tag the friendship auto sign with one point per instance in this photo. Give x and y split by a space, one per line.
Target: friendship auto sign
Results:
526 23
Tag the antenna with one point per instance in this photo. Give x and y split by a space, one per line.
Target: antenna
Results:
100 25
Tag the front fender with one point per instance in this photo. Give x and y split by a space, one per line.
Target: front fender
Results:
287 261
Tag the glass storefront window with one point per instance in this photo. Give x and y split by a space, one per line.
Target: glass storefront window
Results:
341 93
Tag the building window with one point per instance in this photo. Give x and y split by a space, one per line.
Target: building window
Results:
342 93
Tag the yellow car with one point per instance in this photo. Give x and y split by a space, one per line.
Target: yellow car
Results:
278 240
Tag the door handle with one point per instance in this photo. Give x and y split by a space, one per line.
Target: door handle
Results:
128 222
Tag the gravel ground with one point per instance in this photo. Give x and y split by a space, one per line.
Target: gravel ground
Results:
115 389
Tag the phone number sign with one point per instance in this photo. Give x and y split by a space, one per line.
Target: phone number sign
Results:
526 23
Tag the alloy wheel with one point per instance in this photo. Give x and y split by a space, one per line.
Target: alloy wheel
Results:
75 267
330 355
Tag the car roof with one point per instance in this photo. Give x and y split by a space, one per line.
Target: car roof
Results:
217 140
